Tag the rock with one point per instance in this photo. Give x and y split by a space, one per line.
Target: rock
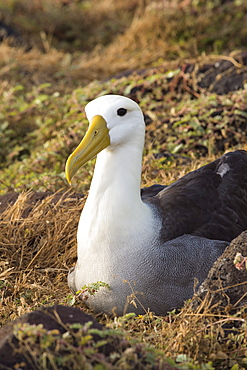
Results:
55 317
7 200
8 31
226 285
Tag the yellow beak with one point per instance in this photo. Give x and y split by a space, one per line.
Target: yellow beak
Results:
96 139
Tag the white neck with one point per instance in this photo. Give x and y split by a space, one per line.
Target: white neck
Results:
117 177
114 215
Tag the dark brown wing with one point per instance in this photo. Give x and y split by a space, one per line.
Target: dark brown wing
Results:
209 202
151 191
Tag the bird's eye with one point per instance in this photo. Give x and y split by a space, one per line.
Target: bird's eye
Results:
96 132
121 112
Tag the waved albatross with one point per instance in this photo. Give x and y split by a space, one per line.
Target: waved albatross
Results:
154 244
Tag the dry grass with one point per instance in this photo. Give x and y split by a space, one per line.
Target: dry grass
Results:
202 335
38 246
70 43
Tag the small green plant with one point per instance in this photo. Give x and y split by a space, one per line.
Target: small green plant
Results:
85 291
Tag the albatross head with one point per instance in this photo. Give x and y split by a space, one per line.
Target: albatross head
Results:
114 120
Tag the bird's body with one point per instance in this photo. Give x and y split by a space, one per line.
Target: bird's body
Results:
150 250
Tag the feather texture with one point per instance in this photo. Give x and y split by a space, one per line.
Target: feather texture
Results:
153 244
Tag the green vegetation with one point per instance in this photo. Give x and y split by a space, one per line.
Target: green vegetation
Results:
39 128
